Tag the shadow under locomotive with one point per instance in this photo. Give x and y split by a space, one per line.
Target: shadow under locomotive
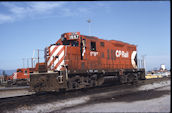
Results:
9 104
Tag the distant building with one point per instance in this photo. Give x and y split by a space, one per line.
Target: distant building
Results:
1 79
162 67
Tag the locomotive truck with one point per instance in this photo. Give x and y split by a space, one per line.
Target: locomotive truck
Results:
78 61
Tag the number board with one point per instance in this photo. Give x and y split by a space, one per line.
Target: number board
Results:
74 36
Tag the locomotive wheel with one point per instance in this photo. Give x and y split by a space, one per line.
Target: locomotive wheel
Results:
135 79
132 78
74 83
142 76
93 83
93 80
123 79
100 81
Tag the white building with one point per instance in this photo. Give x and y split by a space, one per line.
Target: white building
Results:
162 67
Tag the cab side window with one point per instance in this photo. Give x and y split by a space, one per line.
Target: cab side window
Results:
102 44
19 70
75 43
93 46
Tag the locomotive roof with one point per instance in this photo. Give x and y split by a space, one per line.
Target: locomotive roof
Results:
113 41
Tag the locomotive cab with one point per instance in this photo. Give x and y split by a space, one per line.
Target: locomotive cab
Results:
72 44
69 39
74 39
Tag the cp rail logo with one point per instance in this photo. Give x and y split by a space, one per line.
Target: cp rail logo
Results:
121 53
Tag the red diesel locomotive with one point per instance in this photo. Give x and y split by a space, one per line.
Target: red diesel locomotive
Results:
77 61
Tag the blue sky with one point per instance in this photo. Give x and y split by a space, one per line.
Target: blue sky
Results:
26 26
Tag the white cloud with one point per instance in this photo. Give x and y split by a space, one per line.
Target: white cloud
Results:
22 10
6 18
28 7
45 6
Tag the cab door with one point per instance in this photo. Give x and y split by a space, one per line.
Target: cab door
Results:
83 54
94 56
83 49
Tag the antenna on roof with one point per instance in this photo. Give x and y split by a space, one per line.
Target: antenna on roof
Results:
89 28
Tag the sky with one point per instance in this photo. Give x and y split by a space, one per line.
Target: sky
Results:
28 26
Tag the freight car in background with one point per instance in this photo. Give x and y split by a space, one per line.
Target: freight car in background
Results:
77 61
20 78
22 75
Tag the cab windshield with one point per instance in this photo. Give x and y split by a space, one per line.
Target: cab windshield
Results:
19 70
71 42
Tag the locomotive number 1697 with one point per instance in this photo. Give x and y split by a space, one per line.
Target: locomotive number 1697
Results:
74 36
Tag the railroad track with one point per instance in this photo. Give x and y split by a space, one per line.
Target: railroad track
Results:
14 91
14 88
11 103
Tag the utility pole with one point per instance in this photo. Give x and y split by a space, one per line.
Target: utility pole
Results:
38 55
27 62
89 23
32 62
23 63
38 59
144 62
